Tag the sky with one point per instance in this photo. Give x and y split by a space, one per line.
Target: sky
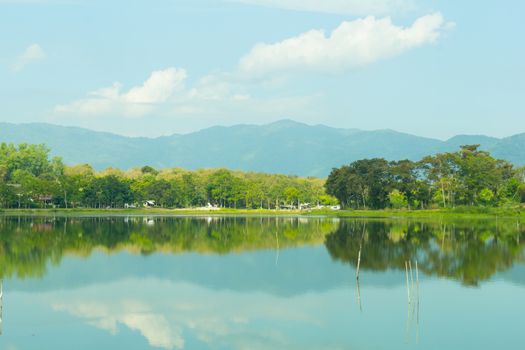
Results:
158 67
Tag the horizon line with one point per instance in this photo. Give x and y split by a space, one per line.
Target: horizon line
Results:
284 120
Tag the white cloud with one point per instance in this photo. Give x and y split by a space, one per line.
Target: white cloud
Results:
138 101
347 7
249 92
221 98
352 44
159 87
33 53
164 93
136 316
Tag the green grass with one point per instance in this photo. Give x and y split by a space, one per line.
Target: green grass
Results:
460 212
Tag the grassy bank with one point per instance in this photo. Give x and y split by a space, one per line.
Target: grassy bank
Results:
461 212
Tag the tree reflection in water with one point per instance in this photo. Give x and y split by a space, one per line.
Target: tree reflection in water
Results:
28 244
467 251
302 279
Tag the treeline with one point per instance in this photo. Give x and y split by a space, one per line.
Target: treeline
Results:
29 179
468 177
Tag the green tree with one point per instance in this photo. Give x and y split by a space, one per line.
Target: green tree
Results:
397 199
486 196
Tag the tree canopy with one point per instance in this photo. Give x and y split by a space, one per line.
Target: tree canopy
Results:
29 179
466 177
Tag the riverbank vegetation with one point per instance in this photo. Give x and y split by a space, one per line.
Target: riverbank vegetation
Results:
29 179
467 182
466 178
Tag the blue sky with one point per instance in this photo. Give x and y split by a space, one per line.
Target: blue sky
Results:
432 68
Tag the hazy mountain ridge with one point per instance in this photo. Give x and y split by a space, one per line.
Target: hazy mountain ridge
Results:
281 147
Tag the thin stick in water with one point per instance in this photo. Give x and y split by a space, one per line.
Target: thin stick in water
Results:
359 296
417 280
358 264
411 275
408 286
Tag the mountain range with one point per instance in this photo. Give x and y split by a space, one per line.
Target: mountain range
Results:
285 146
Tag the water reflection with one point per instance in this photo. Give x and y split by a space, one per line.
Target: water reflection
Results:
28 244
260 283
107 313
468 251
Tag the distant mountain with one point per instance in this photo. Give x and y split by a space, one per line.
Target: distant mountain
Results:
457 141
511 148
282 147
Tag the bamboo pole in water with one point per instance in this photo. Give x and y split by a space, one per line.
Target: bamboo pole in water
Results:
359 296
277 250
358 264
411 275
417 313
408 322
359 254
408 286
358 267
417 280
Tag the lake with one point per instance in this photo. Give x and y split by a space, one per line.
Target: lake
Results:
260 283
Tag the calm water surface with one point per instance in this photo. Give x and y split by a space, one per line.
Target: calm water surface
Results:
260 283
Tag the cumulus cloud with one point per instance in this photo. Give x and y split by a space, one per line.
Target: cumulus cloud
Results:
348 7
138 101
250 90
153 326
159 87
33 53
351 44
164 93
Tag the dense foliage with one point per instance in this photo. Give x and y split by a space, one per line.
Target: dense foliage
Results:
28 179
466 177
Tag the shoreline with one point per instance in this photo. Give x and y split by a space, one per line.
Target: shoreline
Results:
457 213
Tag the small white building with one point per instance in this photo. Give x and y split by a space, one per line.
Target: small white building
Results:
149 203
